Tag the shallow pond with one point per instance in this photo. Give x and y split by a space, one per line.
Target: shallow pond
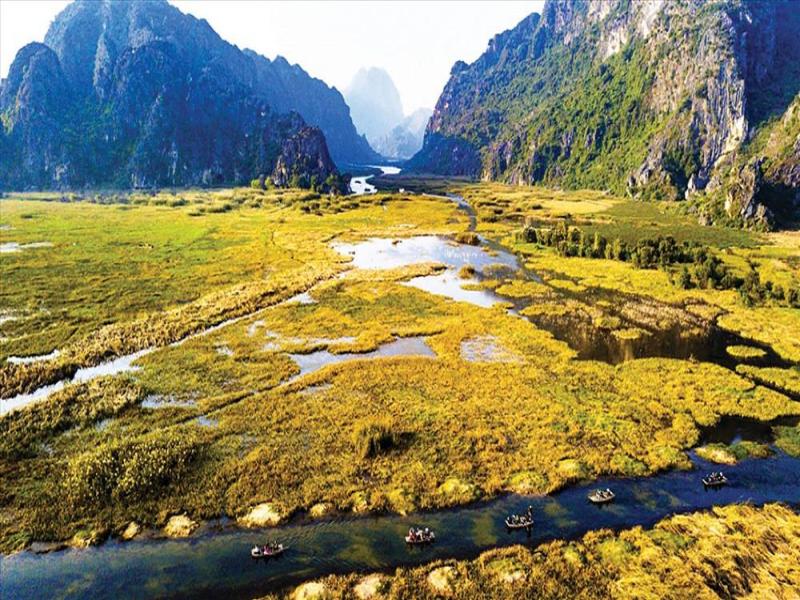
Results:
216 562
25 360
314 361
9 247
383 253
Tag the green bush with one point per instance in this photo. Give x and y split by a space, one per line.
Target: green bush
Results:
129 470
375 436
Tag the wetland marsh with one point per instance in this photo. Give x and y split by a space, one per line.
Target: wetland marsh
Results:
279 337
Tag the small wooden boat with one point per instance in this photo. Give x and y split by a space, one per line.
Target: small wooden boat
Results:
601 496
419 537
267 551
715 480
521 522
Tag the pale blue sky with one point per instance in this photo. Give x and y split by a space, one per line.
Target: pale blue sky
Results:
416 42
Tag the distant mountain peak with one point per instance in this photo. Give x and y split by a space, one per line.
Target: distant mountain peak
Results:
374 102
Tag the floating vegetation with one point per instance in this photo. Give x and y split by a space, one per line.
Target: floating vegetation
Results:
787 379
630 334
745 352
487 349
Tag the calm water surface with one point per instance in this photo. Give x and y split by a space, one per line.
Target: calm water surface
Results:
217 562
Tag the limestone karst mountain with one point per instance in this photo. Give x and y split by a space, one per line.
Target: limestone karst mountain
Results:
140 94
656 99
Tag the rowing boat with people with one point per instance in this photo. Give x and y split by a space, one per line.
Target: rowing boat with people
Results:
269 551
715 480
602 496
419 537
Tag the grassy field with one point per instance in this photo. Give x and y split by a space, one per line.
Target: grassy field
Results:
731 552
222 423
503 209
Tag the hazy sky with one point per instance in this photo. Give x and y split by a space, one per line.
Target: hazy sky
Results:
416 42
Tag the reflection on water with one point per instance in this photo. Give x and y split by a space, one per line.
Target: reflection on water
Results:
733 429
217 563
360 185
204 421
410 346
116 366
383 253
156 401
25 360
9 247
302 298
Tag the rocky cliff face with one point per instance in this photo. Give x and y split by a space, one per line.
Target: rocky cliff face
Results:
288 87
655 98
137 93
304 162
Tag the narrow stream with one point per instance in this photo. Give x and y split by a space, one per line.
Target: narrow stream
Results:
216 562
360 185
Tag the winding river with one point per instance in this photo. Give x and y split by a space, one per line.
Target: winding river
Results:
360 184
215 561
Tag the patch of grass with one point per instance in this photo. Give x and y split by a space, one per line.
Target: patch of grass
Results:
784 379
745 352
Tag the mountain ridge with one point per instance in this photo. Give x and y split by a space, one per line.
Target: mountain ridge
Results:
653 99
140 94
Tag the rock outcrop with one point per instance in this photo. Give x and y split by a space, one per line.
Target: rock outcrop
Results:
262 515
378 113
304 162
655 99
180 526
743 192
374 102
139 94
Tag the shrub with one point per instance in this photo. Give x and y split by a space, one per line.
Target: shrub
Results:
129 470
468 237
375 436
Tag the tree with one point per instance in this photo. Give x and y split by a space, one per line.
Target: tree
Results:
685 279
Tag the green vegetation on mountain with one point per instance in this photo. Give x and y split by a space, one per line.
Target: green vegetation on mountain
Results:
659 100
139 95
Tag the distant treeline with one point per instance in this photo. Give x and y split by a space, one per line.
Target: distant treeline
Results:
700 267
